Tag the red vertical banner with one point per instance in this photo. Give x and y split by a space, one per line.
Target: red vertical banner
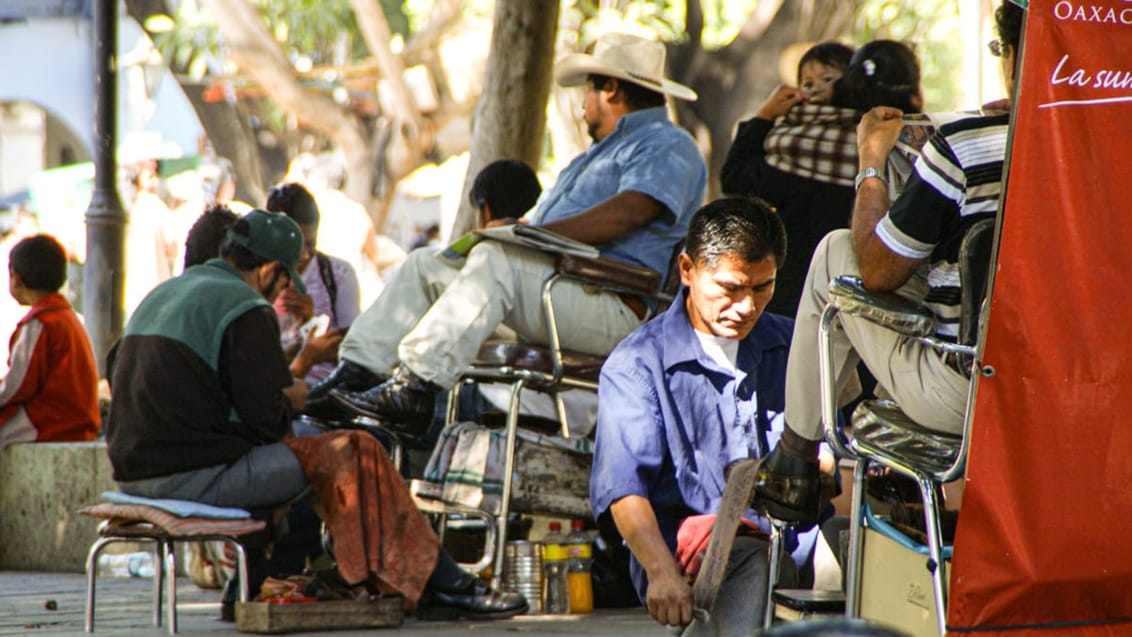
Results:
1044 545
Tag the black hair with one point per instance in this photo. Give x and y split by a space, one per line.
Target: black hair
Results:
746 227
636 96
508 186
244 259
880 73
295 201
207 233
1008 18
41 263
832 54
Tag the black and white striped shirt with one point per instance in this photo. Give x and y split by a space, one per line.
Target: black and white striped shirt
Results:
956 182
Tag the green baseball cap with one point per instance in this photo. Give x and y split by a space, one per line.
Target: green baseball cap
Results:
276 237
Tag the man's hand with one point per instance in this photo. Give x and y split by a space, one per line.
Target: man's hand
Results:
780 101
669 598
506 221
317 349
296 394
297 305
877 133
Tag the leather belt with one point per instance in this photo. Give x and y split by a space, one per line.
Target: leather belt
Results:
635 304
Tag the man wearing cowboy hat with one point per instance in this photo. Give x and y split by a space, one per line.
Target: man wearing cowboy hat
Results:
631 194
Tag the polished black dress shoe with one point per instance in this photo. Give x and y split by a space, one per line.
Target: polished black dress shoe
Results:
477 601
405 402
348 376
789 488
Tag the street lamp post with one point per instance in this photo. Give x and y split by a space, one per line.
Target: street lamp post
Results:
105 219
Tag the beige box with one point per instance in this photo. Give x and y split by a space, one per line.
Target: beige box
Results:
896 586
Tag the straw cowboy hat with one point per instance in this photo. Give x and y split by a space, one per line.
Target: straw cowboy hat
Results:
625 57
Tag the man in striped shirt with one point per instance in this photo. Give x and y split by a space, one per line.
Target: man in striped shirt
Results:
910 246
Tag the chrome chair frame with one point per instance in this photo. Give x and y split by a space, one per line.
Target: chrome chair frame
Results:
916 322
601 273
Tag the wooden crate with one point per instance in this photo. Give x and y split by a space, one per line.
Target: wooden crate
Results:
261 617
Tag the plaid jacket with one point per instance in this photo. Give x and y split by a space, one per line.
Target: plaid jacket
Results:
815 141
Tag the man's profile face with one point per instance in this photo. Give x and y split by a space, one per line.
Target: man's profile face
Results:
726 300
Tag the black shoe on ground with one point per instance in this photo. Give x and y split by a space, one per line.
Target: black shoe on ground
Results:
478 601
404 401
348 376
789 488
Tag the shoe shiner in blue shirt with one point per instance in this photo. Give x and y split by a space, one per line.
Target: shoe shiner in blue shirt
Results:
683 396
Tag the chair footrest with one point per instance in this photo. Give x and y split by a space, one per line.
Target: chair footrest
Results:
807 600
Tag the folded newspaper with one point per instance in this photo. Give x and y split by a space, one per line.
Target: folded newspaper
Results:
918 127
524 235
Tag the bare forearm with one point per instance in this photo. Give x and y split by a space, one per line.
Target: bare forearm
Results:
609 220
637 523
868 209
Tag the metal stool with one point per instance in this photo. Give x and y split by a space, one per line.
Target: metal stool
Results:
140 523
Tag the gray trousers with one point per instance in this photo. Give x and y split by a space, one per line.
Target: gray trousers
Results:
263 477
741 601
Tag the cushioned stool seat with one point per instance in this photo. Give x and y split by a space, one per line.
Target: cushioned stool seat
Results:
143 523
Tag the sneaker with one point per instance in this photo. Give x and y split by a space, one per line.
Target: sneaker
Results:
789 488
404 402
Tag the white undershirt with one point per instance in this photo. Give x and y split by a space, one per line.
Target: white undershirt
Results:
724 351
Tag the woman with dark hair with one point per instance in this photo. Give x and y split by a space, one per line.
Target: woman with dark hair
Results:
801 156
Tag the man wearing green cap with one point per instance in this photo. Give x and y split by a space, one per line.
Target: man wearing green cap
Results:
203 398
202 392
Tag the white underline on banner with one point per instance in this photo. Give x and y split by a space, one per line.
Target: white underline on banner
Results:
1107 100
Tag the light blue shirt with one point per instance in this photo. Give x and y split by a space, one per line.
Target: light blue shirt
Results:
645 153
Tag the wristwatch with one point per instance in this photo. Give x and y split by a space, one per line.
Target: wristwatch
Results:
867 173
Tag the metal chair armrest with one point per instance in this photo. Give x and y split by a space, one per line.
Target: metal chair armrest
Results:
609 273
889 310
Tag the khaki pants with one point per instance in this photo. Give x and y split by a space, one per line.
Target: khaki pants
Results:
434 313
929 391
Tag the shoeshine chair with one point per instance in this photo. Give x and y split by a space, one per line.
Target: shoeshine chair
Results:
882 434
549 368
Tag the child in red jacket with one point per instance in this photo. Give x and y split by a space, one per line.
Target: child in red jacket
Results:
51 391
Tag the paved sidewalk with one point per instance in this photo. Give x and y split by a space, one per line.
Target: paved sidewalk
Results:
125 608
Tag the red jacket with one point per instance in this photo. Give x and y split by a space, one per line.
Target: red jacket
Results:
51 391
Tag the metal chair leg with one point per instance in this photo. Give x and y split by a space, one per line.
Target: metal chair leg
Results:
171 583
508 469
158 580
856 541
775 559
935 551
91 573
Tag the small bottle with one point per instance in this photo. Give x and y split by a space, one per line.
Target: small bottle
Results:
555 590
579 554
126 565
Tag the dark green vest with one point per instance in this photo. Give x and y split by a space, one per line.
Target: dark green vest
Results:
219 296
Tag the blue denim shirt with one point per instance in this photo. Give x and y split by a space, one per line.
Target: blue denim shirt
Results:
670 418
645 153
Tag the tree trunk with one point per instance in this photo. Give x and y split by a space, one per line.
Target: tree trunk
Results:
258 55
232 138
735 80
511 113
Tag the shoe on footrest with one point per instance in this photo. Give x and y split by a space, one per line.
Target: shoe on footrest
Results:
478 601
404 402
791 488
348 376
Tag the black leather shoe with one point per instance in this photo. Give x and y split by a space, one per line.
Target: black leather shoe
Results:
789 488
348 376
404 402
478 601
